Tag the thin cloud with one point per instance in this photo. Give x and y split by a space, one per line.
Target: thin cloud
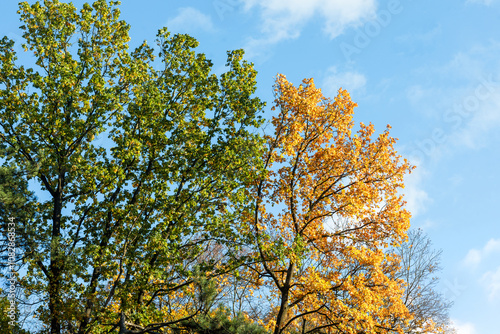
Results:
481 2
349 80
475 256
482 121
465 114
464 327
190 20
283 20
424 37
492 281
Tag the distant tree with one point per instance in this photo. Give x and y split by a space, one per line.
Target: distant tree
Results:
419 268
214 317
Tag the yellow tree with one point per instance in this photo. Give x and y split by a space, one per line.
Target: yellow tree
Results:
325 212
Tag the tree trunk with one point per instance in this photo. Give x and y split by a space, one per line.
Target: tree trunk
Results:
56 265
285 296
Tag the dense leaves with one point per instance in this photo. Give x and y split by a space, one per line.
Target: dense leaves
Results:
139 168
324 213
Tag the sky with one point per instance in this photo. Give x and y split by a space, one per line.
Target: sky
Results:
430 69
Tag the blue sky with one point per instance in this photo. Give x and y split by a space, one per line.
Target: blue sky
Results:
430 69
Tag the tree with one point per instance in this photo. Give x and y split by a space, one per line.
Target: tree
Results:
419 265
13 195
6 321
212 320
324 213
137 170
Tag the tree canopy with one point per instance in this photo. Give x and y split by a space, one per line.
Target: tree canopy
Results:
322 253
140 205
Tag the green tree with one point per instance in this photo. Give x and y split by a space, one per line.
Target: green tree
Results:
6 322
137 170
14 194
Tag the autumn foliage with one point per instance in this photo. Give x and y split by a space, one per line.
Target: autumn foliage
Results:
325 211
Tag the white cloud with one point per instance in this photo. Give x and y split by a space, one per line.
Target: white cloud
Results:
190 20
492 281
348 80
464 327
475 256
492 246
285 19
